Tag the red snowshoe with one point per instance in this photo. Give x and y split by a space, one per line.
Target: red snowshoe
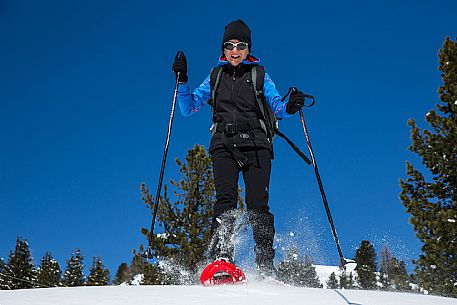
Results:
221 272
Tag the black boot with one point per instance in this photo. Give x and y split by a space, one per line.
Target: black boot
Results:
223 235
219 251
264 261
267 271
263 232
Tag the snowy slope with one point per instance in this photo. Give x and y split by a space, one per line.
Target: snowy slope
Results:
252 293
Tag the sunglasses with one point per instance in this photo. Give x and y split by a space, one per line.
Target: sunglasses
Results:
239 45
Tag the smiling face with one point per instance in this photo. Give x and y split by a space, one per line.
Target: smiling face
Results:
235 56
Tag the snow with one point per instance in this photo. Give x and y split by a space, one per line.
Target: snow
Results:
252 293
137 279
163 235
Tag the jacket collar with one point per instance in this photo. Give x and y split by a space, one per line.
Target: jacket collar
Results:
250 60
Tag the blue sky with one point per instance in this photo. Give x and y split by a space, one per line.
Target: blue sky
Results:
85 94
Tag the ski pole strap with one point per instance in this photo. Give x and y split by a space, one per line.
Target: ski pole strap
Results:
310 97
294 147
294 89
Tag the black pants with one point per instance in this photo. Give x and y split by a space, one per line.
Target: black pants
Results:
256 177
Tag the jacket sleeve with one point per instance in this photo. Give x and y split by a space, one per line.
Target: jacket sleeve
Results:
274 99
189 103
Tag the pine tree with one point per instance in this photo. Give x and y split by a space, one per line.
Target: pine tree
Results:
137 263
3 279
19 272
431 197
288 268
298 272
413 280
309 275
123 274
151 275
99 275
386 268
350 281
49 272
185 224
366 265
346 281
74 271
399 276
154 275
332 282
393 274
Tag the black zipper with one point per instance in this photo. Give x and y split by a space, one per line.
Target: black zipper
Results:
234 103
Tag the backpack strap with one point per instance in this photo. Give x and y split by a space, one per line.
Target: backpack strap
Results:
268 118
258 77
215 79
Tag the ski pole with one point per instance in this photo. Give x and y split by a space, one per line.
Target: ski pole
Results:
343 261
148 253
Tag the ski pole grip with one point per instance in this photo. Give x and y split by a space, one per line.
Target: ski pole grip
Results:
179 54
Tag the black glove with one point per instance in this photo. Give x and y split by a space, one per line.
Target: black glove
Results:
296 101
180 65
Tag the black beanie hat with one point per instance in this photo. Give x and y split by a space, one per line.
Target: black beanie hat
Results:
237 30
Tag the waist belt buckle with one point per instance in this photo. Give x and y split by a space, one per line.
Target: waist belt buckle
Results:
230 128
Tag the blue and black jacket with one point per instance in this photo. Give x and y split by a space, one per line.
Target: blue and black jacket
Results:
235 103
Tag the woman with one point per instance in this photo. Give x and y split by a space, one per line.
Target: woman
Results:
240 141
